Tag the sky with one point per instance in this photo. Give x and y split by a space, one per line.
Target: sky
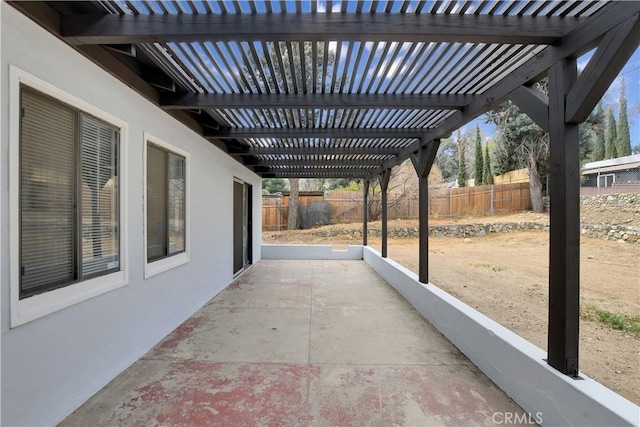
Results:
630 72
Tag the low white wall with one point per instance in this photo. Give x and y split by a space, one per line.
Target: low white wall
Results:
514 364
53 364
310 252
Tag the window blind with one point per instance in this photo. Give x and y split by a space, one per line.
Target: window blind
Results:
100 234
157 181
47 193
176 203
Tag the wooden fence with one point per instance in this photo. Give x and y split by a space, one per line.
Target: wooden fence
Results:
346 206
481 200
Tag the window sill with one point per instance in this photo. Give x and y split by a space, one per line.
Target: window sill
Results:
34 307
162 265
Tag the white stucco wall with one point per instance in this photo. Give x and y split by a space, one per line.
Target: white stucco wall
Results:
53 364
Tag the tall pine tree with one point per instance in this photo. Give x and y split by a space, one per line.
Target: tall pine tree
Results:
488 176
611 143
479 166
598 153
624 138
462 164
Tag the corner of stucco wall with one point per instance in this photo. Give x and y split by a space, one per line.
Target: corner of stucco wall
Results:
4 176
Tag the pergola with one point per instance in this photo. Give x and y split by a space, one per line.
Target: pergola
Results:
336 89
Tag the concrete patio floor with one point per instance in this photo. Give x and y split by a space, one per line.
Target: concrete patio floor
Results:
300 343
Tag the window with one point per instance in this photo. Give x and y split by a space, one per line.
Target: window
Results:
166 197
606 180
69 192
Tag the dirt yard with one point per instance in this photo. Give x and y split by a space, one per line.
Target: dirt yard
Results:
505 277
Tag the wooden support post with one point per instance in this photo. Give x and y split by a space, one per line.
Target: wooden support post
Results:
365 212
384 186
564 219
423 219
422 162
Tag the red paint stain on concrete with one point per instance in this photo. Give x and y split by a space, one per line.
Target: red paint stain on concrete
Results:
352 400
181 333
235 285
194 393
449 397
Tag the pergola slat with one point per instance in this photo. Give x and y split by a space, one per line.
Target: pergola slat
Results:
114 29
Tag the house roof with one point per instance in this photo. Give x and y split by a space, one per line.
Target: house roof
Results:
609 165
328 88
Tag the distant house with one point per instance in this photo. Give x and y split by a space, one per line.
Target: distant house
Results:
606 173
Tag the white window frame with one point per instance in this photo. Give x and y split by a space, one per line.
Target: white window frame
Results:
161 265
36 306
605 176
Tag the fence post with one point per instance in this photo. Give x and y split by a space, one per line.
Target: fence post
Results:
450 202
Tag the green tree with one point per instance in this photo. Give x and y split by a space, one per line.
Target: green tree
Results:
313 184
487 175
598 153
521 143
462 165
479 163
274 185
610 148
447 159
337 183
588 134
624 138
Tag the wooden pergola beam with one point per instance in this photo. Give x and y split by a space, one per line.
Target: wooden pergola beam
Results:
313 175
181 101
533 103
307 151
313 168
121 29
612 54
577 41
246 133
313 162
